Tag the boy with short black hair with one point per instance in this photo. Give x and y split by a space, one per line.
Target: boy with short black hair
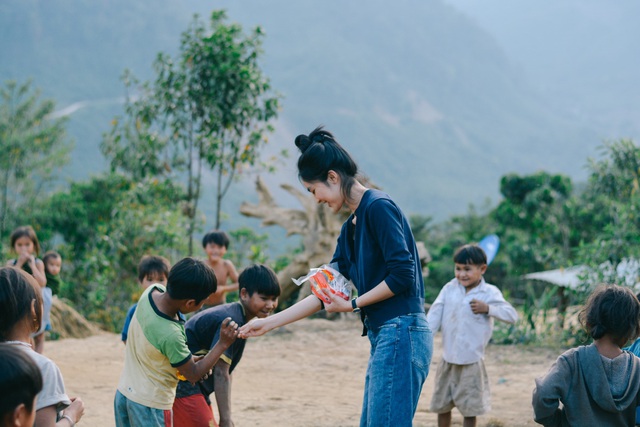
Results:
151 269
464 310
157 354
259 292
215 244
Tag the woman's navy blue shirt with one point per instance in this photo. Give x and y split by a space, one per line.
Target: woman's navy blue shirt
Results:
381 246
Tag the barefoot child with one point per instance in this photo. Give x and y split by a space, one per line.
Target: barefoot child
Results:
259 291
215 245
156 352
598 384
464 310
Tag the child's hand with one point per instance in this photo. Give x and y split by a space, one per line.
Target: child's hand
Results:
24 258
75 411
479 307
228 332
209 372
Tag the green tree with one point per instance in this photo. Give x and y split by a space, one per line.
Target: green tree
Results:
107 224
33 147
209 108
536 220
612 206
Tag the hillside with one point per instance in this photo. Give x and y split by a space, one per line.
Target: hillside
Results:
585 61
428 100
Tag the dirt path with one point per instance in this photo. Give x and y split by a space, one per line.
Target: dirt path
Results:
307 374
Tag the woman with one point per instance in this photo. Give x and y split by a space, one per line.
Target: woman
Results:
20 316
377 251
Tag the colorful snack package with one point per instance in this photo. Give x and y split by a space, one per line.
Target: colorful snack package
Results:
326 277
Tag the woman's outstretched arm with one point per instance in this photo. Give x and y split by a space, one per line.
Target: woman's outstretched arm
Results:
300 310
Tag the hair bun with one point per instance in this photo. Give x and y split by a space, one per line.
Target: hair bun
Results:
303 142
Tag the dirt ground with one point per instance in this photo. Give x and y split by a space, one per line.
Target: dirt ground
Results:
310 373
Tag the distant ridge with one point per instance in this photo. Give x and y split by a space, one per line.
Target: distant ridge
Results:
426 100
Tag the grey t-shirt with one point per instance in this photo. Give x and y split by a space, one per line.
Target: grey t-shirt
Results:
53 392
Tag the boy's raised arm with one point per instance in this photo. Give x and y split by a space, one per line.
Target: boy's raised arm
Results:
232 274
194 370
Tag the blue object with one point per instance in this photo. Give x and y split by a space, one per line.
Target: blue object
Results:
490 245
635 349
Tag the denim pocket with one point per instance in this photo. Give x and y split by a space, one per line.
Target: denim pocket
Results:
421 346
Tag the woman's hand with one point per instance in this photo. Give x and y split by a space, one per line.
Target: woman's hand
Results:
254 328
337 304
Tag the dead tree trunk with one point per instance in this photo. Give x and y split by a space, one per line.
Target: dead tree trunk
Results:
317 225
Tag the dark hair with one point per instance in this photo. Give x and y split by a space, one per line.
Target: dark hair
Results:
18 290
20 379
261 279
613 310
150 264
470 254
25 231
321 153
218 237
191 278
50 255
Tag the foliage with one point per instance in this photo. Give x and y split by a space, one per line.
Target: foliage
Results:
248 247
107 225
544 223
207 110
444 238
612 204
33 148
537 208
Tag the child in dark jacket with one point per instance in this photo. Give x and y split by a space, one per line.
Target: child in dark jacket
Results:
598 384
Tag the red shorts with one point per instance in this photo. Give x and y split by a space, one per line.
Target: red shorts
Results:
193 411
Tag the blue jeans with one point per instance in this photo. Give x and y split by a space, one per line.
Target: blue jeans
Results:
398 366
131 414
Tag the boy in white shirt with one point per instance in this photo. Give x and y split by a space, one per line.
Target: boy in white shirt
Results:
464 311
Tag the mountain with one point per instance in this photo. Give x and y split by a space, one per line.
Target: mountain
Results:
581 55
433 101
